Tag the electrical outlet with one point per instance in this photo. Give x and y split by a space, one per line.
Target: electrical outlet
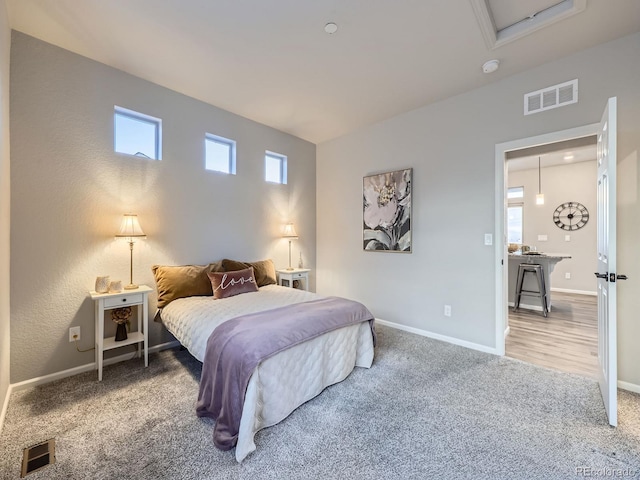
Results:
567 275
74 331
488 239
567 238
447 310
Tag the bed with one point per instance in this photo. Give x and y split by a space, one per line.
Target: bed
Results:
286 380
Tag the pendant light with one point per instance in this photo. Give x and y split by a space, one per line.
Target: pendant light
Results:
540 195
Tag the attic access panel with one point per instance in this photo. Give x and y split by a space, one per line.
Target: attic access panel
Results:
503 21
507 13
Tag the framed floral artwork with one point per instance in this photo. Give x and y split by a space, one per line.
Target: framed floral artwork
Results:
387 211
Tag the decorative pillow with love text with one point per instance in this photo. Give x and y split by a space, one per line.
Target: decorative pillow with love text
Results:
228 284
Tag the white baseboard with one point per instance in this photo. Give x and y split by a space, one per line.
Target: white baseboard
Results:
5 406
437 336
507 331
14 387
630 387
579 292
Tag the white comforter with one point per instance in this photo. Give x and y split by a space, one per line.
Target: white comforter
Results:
285 381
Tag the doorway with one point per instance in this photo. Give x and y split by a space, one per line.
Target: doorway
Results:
502 292
606 134
551 197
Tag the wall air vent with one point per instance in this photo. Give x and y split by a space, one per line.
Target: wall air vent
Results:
551 97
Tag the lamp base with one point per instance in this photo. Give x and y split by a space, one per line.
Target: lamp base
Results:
131 286
289 268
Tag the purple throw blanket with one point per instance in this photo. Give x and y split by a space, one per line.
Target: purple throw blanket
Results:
236 347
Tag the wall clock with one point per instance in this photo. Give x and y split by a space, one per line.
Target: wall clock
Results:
571 216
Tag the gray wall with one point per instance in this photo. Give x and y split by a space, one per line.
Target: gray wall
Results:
69 191
562 183
5 45
451 147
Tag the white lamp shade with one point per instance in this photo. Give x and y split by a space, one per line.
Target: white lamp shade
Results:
540 199
130 227
289 231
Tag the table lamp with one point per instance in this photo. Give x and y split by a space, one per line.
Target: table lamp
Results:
290 233
130 229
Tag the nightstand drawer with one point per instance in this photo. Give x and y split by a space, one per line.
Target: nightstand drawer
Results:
298 275
133 299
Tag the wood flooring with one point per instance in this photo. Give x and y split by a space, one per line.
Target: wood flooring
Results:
566 340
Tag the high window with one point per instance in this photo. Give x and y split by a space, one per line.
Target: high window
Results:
275 167
137 134
220 154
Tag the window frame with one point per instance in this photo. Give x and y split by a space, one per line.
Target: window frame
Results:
510 189
519 205
283 166
231 161
140 117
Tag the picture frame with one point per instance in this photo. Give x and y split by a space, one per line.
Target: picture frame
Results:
386 211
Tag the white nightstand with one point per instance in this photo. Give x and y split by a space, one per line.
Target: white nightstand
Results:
125 298
300 274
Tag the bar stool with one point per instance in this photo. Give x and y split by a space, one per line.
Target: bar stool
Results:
541 293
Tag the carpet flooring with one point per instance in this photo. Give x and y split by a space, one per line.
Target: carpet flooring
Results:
426 409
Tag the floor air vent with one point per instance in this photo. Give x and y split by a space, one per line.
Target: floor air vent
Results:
551 97
37 457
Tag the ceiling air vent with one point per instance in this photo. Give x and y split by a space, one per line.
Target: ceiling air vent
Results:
551 97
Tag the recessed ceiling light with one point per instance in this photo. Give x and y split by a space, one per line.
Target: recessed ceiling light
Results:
331 28
568 156
490 66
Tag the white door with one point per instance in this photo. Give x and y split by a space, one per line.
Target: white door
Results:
606 211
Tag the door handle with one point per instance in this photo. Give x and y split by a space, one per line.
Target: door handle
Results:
611 277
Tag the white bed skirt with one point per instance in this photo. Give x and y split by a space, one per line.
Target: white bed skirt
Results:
292 377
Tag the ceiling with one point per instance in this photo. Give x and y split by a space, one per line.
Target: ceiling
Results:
271 60
563 156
